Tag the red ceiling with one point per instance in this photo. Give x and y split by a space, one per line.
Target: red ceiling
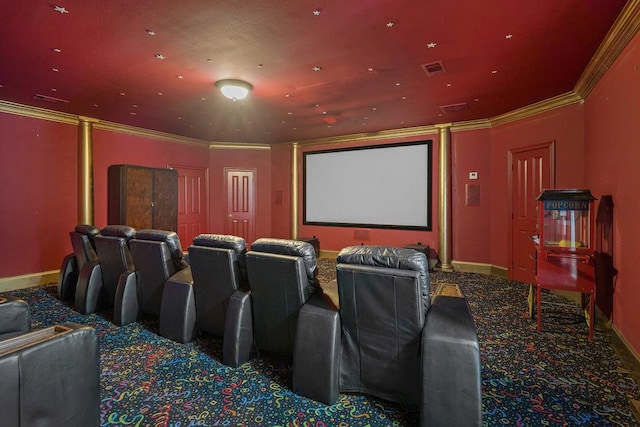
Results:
499 55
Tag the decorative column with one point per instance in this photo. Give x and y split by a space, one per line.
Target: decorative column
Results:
444 205
85 171
294 190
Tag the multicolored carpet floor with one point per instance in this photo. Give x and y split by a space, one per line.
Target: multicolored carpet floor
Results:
555 378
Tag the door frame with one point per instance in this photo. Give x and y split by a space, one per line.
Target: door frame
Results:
551 149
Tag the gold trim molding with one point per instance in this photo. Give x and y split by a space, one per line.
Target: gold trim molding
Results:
620 34
37 113
477 267
238 146
382 135
28 280
539 107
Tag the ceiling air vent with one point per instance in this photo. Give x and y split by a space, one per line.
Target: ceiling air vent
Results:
40 97
454 108
433 68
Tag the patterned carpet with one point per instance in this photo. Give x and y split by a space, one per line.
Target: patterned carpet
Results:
553 378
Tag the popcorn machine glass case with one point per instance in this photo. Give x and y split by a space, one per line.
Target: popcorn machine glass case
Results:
566 220
564 248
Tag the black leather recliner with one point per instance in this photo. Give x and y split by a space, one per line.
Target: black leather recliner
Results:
282 277
51 377
97 284
15 317
390 340
157 256
222 299
84 251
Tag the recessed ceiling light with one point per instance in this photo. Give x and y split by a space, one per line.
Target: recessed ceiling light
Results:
289 113
431 45
508 36
55 70
370 69
56 50
317 68
160 93
151 32
404 97
60 9
317 12
389 24
374 108
449 84
133 113
53 89
135 105
159 56
121 93
494 72
179 77
397 83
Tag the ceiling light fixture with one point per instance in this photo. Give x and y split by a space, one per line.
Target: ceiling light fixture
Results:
233 88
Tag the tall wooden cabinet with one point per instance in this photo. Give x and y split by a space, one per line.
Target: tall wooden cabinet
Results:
143 197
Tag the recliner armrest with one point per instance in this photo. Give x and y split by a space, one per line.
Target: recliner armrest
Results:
51 377
15 317
125 307
316 356
238 329
88 288
68 277
451 382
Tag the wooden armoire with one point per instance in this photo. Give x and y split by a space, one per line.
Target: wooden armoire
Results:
143 197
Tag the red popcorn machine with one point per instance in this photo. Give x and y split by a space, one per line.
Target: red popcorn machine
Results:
564 248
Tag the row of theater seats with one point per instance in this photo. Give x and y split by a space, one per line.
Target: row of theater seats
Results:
50 376
388 338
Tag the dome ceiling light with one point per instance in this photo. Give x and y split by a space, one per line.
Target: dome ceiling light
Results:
234 89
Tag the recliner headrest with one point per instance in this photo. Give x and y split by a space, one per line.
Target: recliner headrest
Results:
123 231
88 230
389 257
237 244
292 248
171 239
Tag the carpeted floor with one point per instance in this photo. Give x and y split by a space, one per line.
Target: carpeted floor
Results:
556 377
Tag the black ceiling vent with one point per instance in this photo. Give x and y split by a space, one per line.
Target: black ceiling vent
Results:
40 97
433 68
454 108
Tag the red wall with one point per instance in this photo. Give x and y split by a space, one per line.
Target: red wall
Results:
38 194
612 166
113 148
471 239
281 191
336 238
258 160
563 125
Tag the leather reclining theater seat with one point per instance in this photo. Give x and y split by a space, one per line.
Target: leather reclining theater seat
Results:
389 340
218 275
98 280
50 376
282 278
84 251
157 256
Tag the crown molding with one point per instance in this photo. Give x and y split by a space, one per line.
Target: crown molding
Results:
37 113
238 146
470 125
418 131
620 34
136 131
537 108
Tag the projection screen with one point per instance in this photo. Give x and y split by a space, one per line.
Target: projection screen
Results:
382 186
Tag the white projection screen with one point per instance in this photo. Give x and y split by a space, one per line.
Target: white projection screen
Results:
382 186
